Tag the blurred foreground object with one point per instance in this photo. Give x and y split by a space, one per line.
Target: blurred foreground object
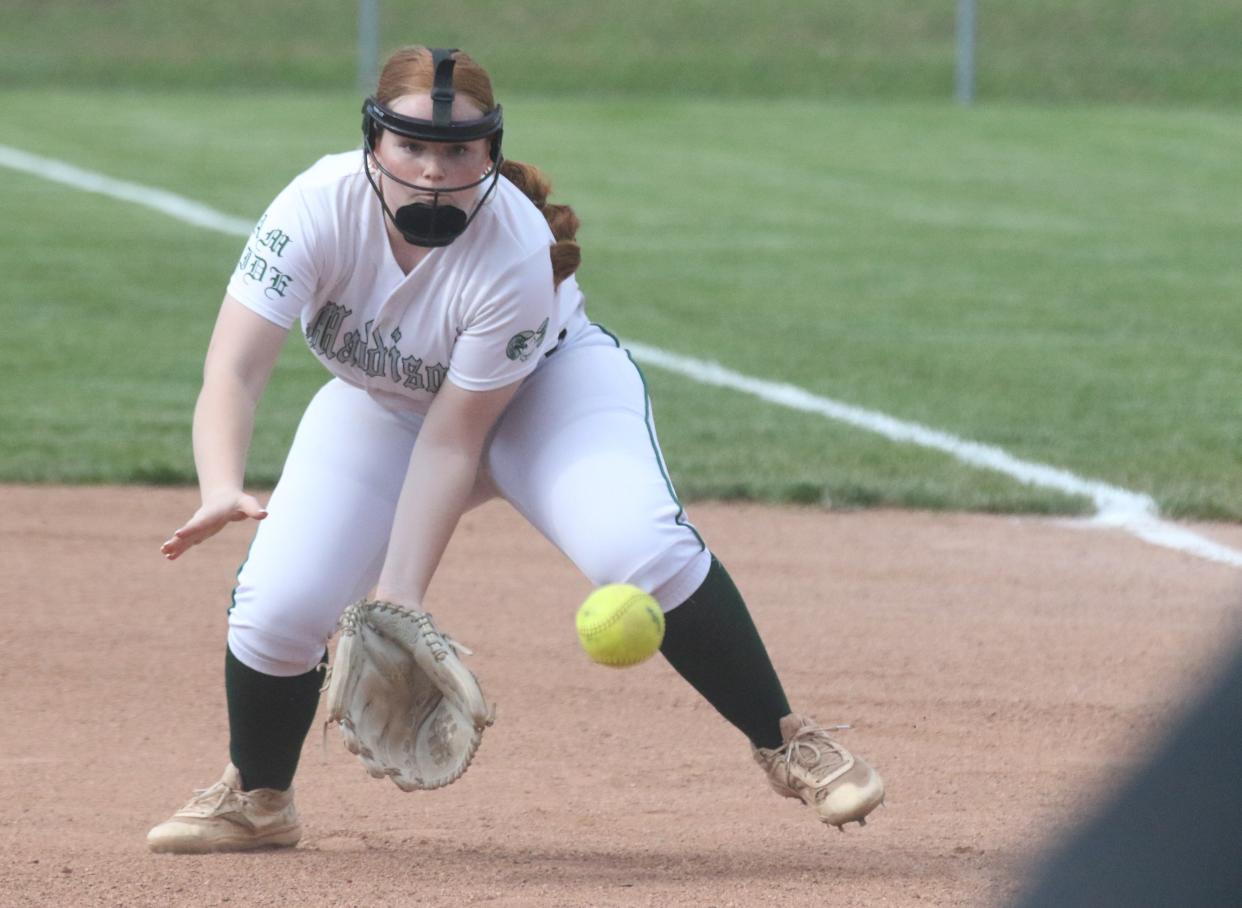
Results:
1170 835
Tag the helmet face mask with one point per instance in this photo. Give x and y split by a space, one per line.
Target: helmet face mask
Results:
434 223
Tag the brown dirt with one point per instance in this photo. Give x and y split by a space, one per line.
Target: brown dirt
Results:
1000 672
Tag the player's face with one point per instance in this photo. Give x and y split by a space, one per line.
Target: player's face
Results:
433 165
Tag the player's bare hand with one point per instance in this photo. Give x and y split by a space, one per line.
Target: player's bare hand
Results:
210 519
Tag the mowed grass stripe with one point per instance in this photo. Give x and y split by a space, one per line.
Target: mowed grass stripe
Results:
1115 507
1014 330
162 410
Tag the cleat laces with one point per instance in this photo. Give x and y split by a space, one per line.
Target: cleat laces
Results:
214 801
811 755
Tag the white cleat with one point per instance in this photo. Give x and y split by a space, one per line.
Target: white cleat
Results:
225 818
811 766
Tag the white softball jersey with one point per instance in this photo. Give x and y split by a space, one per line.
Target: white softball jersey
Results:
481 310
575 452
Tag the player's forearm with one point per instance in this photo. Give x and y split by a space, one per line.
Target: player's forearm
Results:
223 425
437 486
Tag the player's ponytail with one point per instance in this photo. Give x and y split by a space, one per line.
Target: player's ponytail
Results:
566 253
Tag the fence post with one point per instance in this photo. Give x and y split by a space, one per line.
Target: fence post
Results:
368 45
964 83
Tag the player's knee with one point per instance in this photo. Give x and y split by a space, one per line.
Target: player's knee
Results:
273 654
671 576
280 634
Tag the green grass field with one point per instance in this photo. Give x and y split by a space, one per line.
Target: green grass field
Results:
1062 283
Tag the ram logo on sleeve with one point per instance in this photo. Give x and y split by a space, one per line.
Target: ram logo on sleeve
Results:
524 343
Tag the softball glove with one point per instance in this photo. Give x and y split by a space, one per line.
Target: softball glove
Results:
406 704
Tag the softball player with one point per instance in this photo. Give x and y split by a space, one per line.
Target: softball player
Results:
434 281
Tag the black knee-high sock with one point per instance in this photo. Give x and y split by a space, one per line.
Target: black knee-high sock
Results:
712 642
269 718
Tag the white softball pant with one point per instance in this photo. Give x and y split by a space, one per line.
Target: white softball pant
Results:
575 453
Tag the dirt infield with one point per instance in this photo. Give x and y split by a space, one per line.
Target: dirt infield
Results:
999 672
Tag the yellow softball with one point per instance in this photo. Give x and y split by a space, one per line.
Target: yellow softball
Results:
620 625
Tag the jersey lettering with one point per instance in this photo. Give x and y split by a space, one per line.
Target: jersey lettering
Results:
366 351
277 281
435 377
321 334
276 240
256 267
412 369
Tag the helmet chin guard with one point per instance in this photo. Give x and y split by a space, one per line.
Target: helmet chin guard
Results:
422 223
430 225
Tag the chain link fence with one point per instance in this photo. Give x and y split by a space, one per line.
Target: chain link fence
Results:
1027 51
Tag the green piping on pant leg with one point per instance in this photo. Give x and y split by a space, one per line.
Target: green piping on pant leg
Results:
233 595
611 336
680 519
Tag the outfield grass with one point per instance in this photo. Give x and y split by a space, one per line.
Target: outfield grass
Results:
1060 283
1147 51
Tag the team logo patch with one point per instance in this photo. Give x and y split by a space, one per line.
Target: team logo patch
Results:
524 343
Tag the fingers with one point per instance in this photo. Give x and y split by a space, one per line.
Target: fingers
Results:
185 538
206 522
173 548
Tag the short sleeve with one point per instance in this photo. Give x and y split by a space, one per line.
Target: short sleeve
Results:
276 275
507 332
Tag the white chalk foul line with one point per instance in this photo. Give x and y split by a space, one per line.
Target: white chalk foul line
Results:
169 203
1116 507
